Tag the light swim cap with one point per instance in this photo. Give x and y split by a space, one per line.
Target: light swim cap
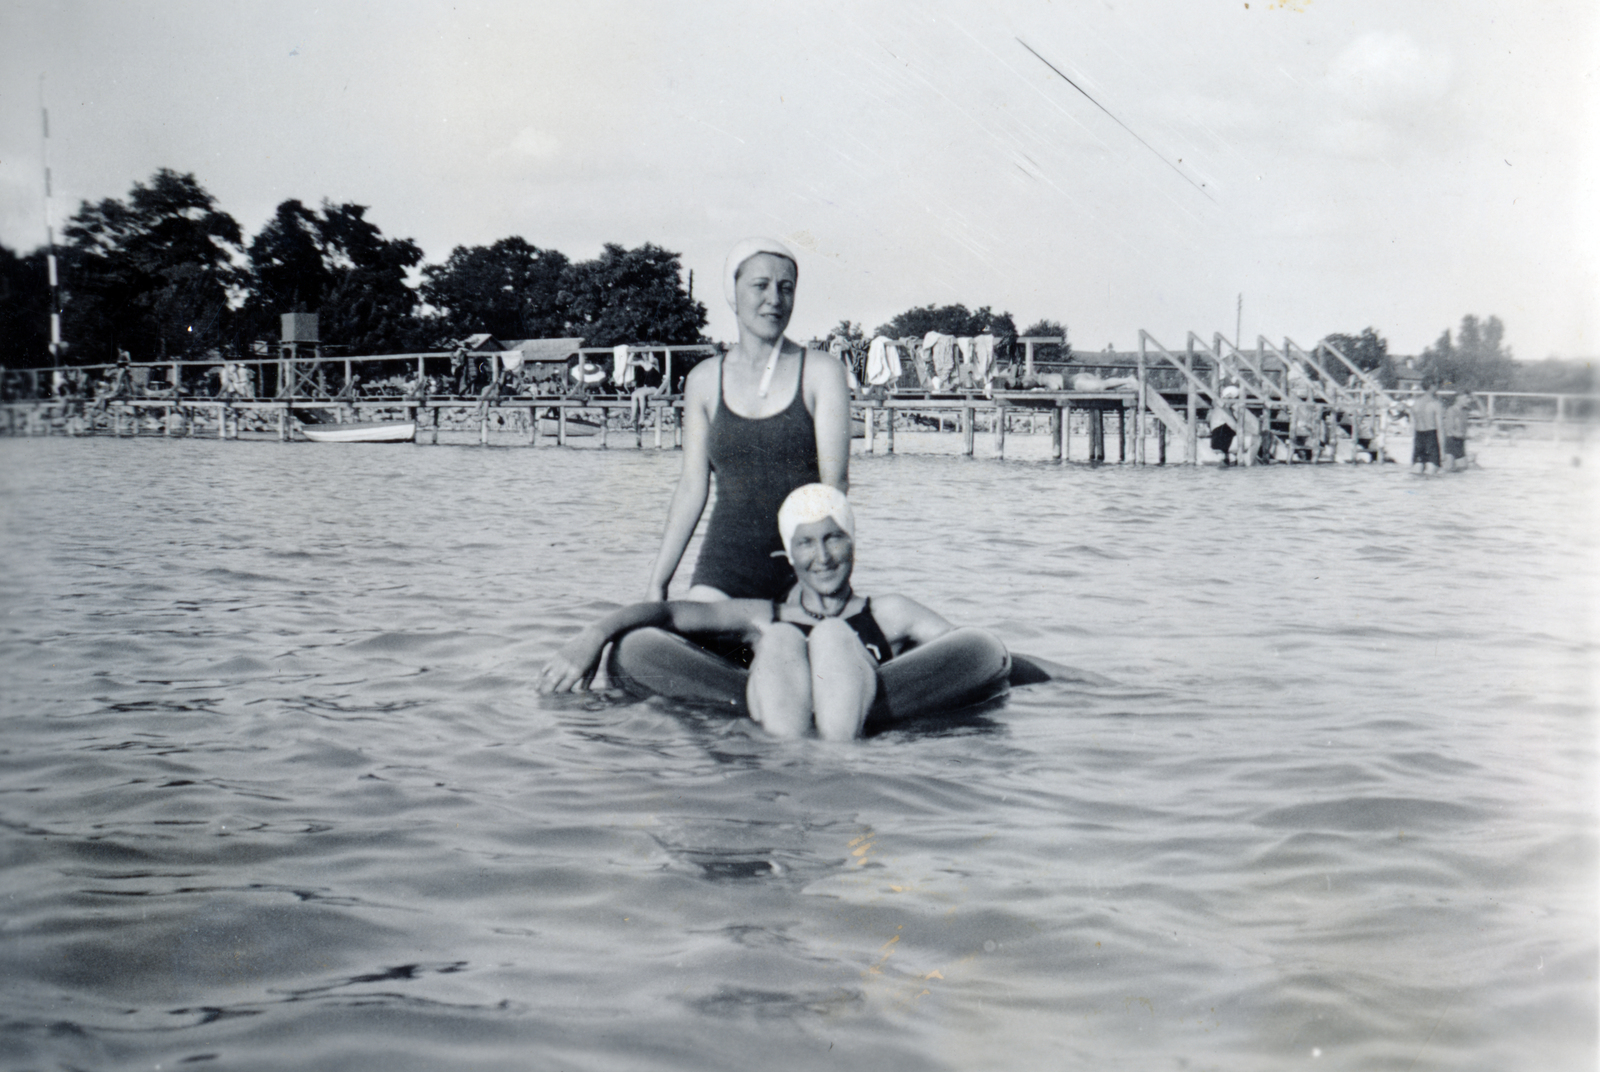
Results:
743 251
813 502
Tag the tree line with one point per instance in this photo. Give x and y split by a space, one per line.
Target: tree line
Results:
1475 358
165 273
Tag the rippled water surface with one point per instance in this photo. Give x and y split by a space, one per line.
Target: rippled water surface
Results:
275 793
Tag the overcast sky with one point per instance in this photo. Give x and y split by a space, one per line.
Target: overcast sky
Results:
1342 163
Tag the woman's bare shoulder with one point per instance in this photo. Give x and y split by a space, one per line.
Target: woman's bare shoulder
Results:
700 385
824 370
702 374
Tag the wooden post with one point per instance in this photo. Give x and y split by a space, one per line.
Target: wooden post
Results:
1057 440
1097 434
1000 431
869 419
222 421
561 424
1192 438
659 409
1122 435
533 426
969 420
1138 410
1161 443
483 427
888 429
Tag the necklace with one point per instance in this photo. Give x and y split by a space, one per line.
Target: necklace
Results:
814 616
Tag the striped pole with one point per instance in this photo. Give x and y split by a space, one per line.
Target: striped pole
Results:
50 233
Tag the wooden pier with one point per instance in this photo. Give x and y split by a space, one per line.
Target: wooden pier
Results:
1264 392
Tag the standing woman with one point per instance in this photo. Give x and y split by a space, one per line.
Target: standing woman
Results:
767 417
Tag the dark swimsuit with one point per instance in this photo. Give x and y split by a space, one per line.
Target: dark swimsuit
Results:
866 627
758 462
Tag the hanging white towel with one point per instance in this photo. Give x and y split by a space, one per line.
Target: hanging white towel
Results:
621 371
511 360
883 362
983 357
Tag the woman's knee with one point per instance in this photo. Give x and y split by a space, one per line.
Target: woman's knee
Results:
779 689
833 639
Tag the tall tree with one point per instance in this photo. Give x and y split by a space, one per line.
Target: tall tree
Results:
338 264
511 290
632 296
1368 352
371 308
287 267
1050 351
1477 359
24 310
151 275
1555 375
955 320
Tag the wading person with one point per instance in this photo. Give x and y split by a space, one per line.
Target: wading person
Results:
825 655
1453 425
767 417
1427 441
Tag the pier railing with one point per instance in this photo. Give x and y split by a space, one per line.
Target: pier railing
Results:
1170 392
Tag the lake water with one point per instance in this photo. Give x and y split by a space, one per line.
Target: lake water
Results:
275 791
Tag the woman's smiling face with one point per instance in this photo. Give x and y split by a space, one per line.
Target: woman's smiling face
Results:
764 294
823 556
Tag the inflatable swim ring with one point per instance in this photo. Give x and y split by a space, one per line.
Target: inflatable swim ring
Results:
961 668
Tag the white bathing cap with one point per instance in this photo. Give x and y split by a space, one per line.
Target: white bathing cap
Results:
743 251
813 502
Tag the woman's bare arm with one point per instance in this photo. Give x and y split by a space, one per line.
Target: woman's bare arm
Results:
907 623
828 398
574 665
694 482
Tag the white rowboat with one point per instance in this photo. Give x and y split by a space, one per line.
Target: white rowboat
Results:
361 432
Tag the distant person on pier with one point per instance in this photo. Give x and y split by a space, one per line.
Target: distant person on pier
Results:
767 417
1427 438
648 383
1307 430
458 369
1088 381
1453 423
416 388
1222 435
351 391
117 385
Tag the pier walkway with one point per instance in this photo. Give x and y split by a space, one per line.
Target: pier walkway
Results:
1306 405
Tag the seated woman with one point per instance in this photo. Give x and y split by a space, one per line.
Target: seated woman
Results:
648 382
824 656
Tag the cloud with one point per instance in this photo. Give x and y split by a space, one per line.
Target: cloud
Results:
532 143
1388 76
1389 96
